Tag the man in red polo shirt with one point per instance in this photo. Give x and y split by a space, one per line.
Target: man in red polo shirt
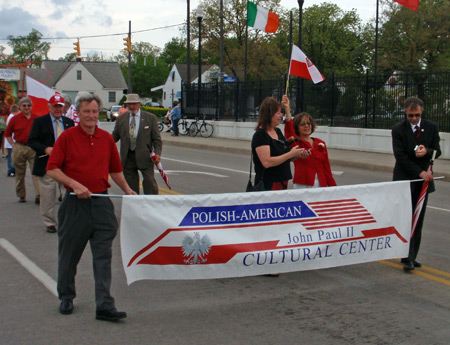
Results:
20 126
81 159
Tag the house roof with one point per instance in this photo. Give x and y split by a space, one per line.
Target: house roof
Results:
108 74
182 69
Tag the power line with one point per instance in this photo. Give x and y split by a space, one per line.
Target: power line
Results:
106 35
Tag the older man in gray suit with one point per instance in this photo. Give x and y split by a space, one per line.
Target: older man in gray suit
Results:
138 133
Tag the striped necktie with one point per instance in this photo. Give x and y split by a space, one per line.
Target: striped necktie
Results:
58 128
417 133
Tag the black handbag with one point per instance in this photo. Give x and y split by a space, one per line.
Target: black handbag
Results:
258 187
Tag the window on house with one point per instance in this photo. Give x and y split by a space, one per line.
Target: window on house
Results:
164 94
173 75
78 75
112 97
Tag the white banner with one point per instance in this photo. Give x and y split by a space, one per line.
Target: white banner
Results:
243 234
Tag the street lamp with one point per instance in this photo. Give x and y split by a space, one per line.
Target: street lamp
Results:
199 84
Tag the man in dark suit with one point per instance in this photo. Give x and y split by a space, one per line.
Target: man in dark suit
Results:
138 133
414 141
43 134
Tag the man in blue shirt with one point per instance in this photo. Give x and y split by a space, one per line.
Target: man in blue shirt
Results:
175 117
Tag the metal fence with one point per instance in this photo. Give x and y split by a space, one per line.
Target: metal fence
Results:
355 101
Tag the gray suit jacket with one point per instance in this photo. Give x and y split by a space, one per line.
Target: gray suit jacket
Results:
148 138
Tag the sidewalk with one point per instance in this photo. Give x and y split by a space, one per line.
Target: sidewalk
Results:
357 159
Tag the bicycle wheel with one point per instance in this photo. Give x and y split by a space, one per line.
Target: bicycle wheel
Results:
182 128
161 126
206 130
193 129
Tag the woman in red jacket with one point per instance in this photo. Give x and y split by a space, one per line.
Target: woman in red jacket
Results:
314 170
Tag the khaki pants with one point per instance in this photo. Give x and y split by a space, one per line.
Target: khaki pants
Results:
49 194
22 154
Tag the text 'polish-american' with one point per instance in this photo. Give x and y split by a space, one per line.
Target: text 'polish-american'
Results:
199 216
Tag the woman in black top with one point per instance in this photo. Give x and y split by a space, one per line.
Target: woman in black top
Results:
271 151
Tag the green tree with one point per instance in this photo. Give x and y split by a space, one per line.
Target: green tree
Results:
147 70
415 41
30 47
175 51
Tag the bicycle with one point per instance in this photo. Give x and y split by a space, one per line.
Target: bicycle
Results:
183 126
205 129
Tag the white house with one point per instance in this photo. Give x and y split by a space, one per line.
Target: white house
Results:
171 90
69 77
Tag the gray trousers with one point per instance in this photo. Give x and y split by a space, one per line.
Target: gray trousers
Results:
130 172
80 221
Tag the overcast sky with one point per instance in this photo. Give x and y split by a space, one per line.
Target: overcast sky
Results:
71 19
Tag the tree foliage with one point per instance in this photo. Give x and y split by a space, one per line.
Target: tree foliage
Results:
30 47
415 41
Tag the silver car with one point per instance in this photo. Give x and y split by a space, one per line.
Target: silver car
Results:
113 114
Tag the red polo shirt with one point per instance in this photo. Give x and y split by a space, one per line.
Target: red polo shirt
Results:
20 126
88 159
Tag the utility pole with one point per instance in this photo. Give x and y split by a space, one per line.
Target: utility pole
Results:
130 90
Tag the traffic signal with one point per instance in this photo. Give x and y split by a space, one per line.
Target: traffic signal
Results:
127 44
77 48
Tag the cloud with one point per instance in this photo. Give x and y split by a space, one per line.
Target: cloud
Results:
17 22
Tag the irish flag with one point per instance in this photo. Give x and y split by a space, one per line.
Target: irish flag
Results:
261 18
412 4
303 67
39 95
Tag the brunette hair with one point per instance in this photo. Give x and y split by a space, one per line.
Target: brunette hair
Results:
298 119
267 110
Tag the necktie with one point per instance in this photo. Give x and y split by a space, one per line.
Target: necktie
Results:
133 132
417 133
58 129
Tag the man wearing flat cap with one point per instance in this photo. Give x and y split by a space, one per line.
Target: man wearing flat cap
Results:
43 134
138 133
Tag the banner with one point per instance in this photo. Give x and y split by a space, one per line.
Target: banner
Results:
244 234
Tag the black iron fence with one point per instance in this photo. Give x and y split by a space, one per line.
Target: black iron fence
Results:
358 101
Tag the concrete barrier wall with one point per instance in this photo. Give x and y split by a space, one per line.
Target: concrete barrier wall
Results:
357 139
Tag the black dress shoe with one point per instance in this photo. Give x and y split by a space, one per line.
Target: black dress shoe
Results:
417 264
37 200
408 266
110 315
66 307
51 229
22 199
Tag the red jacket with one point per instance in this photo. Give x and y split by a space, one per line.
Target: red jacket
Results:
316 163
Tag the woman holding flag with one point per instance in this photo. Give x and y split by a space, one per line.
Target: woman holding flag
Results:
314 170
271 151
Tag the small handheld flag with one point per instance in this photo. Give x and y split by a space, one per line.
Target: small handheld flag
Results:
303 67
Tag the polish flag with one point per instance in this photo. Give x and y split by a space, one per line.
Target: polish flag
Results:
303 67
412 4
39 95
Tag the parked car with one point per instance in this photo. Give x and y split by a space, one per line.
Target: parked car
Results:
113 113
153 104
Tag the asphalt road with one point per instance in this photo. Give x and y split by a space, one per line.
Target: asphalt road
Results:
373 303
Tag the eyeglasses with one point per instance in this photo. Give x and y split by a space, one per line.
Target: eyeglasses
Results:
414 115
305 123
26 105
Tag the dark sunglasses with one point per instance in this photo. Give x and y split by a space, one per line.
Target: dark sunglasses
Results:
305 123
414 115
26 105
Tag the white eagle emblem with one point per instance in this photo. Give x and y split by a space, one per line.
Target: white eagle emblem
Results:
194 249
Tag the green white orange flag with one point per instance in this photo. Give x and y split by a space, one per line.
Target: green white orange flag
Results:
412 4
261 18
